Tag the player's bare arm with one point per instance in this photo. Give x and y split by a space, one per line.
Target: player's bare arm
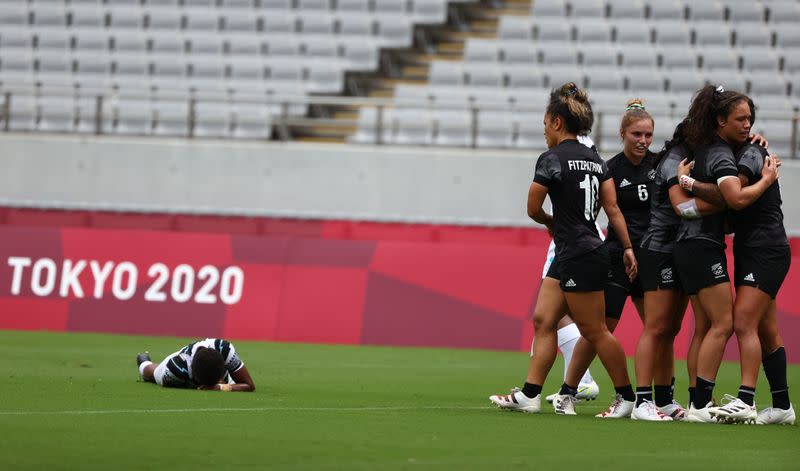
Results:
608 198
536 196
708 192
738 197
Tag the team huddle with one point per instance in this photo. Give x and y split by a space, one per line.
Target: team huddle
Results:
668 215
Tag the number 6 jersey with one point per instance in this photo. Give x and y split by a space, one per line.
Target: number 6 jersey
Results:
572 174
634 184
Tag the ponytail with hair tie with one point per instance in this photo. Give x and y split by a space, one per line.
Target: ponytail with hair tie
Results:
572 90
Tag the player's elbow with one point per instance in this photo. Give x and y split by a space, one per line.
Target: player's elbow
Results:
737 204
250 387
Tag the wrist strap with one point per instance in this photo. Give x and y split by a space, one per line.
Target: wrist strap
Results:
686 182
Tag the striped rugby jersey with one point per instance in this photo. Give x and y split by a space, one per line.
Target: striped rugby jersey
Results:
180 362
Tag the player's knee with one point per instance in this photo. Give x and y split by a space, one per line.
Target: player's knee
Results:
593 332
542 323
721 328
743 326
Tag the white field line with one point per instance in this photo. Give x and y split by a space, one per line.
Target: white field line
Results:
240 409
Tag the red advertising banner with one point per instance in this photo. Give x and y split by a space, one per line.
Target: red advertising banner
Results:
294 281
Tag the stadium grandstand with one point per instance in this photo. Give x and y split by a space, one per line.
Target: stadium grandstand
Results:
414 72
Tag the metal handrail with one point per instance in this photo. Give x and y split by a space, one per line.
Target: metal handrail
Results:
285 119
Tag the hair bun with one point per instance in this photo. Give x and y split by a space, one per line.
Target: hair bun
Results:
635 104
569 89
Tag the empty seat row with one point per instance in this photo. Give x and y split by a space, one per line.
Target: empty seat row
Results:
608 102
632 32
737 12
518 129
137 117
667 57
319 75
398 29
644 56
453 127
445 73
355 54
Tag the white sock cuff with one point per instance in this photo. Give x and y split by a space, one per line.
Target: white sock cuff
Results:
142 367
567 334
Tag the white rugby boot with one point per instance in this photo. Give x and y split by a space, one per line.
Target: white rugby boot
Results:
619 409
564 404
516 401
734 411
700 415
586 392
674 410
775 416
648 411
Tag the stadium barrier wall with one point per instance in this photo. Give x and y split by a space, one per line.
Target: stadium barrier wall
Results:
341 282
306 180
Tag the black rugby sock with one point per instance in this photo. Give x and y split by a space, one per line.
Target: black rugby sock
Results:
691 394
703 393
531 390
626 392
567 389
747 394
663 396
775 371
643 393
672 390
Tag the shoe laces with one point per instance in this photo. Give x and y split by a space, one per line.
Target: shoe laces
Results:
728 399
617 402
677 406
567 398
657 411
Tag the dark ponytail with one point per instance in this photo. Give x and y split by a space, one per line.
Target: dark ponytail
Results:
678 138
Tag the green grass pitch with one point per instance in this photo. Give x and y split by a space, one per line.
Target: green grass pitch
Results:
74 402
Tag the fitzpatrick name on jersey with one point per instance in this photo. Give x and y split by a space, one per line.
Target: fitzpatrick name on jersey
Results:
585 166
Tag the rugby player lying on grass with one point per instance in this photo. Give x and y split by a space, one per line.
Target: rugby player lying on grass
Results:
210 364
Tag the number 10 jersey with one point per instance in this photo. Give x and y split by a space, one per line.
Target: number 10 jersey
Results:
573 174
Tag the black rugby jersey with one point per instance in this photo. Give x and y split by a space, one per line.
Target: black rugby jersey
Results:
711 164
573 174
664 223
634 185
761 223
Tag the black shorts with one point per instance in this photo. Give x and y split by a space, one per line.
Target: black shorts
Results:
700 263
618 286
657 270
554 271
585 272
764 268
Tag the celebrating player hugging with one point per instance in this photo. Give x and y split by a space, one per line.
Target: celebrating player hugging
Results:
668 214
210 364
